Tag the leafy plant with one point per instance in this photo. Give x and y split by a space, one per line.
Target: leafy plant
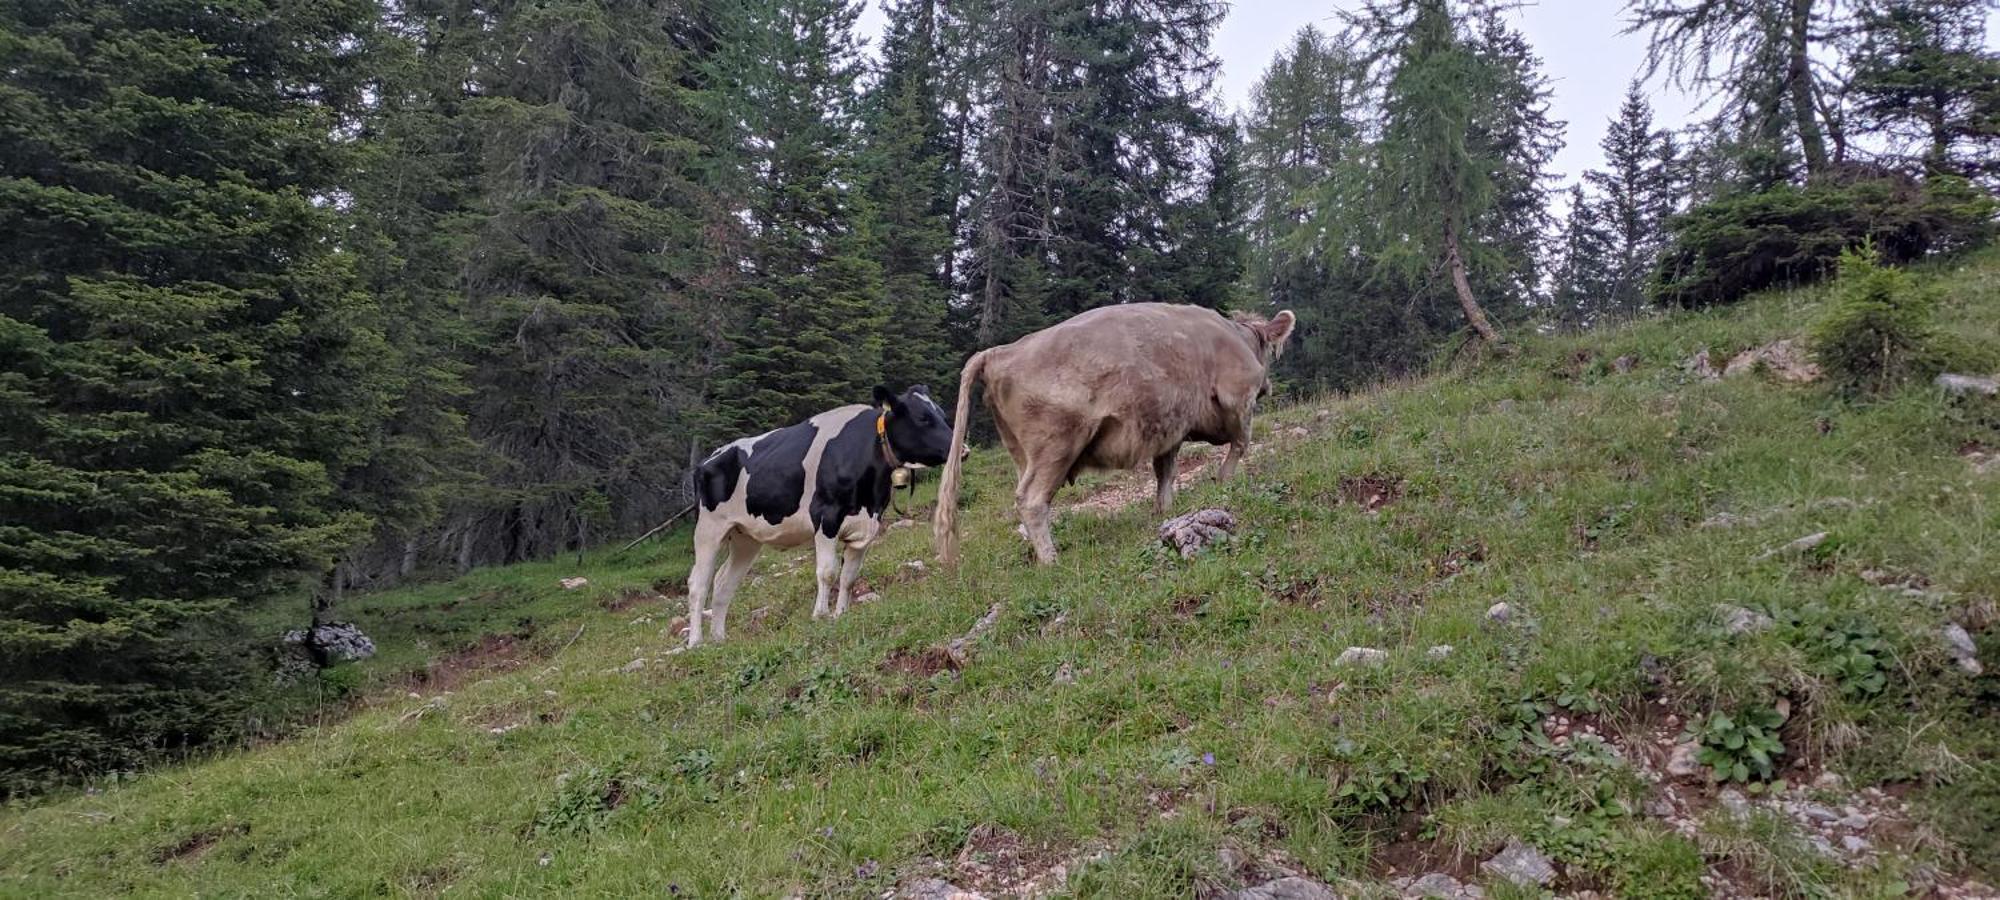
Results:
1848 651
585 800
1577 693
1744 747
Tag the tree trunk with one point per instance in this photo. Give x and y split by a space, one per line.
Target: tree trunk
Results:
409 564
1474 316
1798 75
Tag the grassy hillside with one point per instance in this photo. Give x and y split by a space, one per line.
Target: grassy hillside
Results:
1135 725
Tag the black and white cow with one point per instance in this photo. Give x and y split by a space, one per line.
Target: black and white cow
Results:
826 480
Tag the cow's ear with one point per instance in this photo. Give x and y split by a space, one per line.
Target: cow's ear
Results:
884 397
1280 327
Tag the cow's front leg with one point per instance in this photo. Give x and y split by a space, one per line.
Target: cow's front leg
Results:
850 569
826 565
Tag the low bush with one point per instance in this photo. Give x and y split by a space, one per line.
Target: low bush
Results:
1790 235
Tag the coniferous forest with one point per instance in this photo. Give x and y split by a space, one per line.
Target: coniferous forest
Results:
301 299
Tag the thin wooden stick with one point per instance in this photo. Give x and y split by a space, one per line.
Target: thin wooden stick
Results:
657 528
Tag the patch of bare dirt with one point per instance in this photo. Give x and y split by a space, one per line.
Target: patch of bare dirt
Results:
630 597
1188 606
922 663
493 653
1371 491
1459 558
197 845
1136 485
997 862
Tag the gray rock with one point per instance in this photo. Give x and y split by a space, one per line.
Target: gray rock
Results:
633 666
1065 674
1290 888
1521 864
1624 364
1499 612
1968 384
1659 809
1190 533
1963 651
335 641
1361 656
1855 844
1855 821
1734 801
1439 652
1700 366
1737 620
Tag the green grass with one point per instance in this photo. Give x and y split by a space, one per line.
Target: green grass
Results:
1206 711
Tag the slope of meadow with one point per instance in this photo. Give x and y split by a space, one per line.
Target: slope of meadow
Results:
1129 724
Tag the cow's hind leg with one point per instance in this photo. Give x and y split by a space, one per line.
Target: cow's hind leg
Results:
826 568
743 550
1044 476
710 539
1239 445
1163 473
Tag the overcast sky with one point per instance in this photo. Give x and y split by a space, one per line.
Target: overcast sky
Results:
1584 52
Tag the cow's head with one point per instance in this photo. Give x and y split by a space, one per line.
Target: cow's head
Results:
1270 335
918 430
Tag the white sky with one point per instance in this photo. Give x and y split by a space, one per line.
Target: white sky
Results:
1588 59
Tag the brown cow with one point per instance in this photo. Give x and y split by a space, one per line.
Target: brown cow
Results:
1109 389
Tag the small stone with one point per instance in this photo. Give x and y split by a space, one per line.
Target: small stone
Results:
915 567
1439 652
1299 432
1521 864
1855 821
1442 885
1684 761
633 666
936 889
1963 651
1700 366
1734 801
1065 674
1659 809
1968 384
1798 546
1291 888
1828 781
1736 620
1855 844
1361 656
573 582
1624 364
869 597
1499 612
1813 812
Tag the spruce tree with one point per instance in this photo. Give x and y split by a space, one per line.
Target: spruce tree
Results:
189 360
1638 194
814 335
908 164
592 278
1586 290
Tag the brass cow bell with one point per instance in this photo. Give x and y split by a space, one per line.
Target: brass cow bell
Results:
899 477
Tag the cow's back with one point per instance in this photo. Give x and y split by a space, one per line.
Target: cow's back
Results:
1143 375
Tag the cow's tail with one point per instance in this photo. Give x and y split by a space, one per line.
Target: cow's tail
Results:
944 525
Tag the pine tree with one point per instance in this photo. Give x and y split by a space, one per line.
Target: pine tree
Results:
1638 194
189 365
787 70
594 273
1924 79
